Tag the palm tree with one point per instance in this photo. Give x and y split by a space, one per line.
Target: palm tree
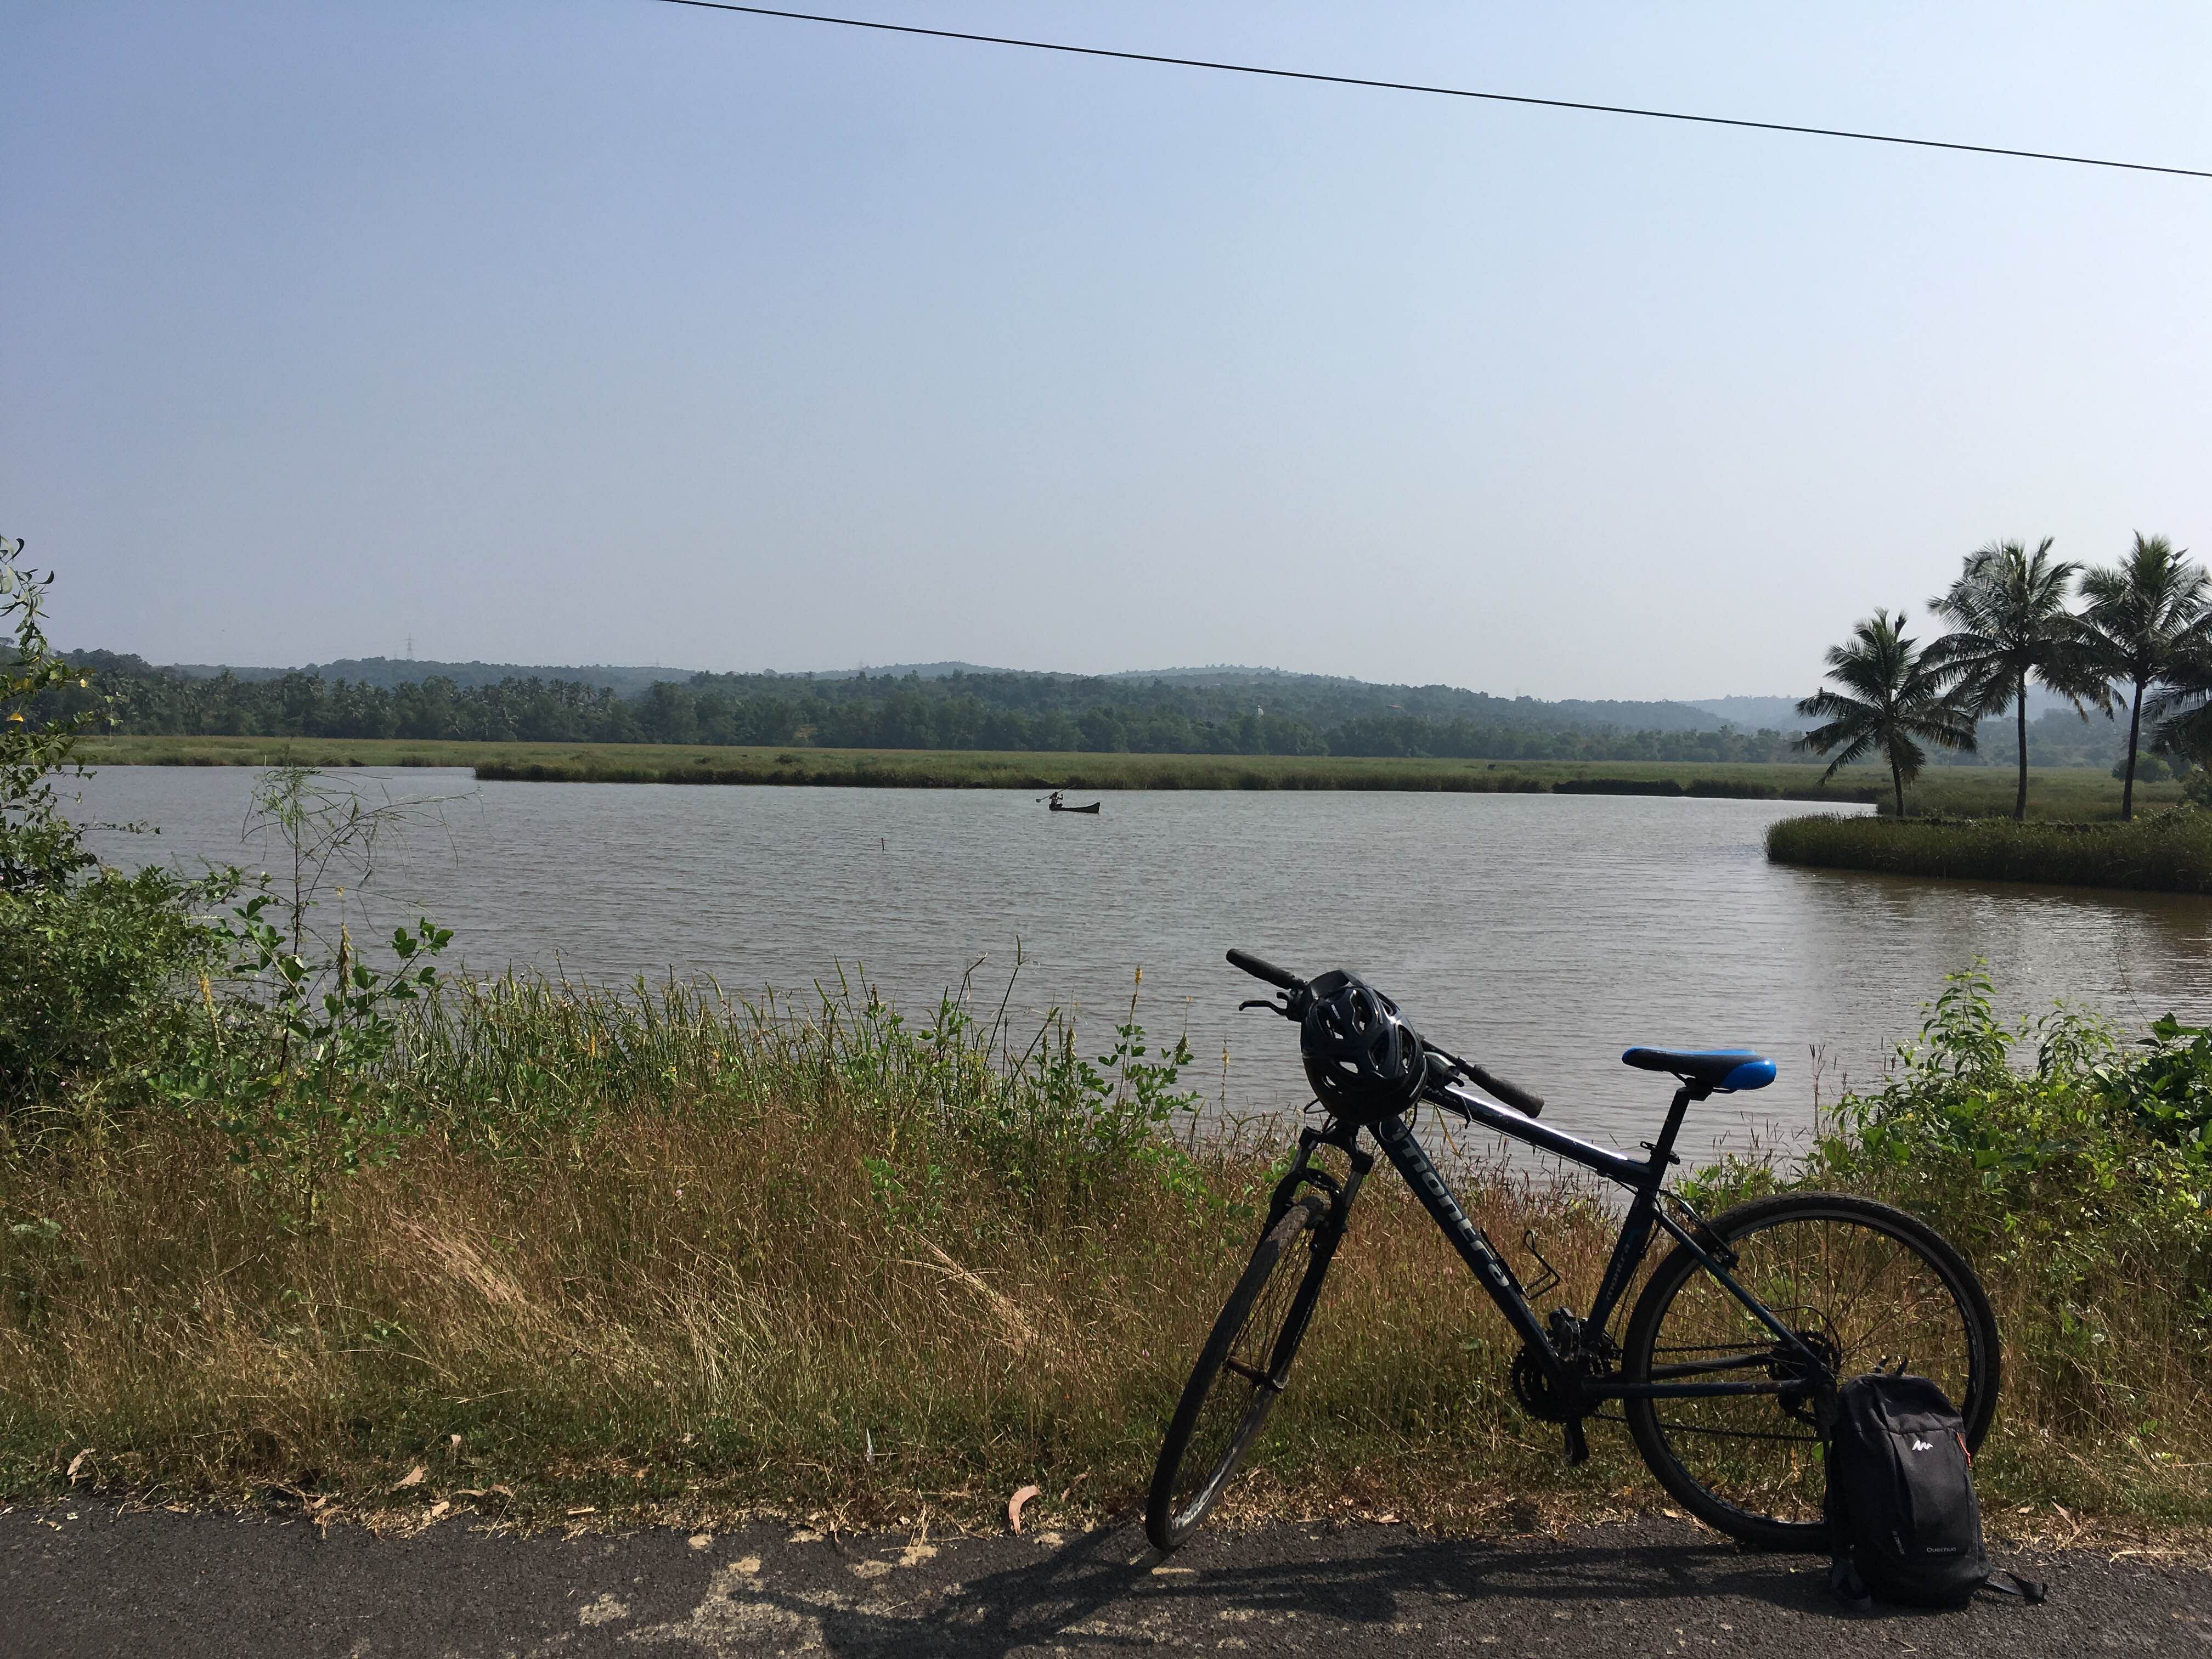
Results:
2185 711
2146 615
1892 698
2010 624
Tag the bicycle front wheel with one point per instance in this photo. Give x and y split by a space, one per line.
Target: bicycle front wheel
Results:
1240 1373
1864 1286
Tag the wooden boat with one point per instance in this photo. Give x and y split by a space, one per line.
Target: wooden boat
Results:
1056 807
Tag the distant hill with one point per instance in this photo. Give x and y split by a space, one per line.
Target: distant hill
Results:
1436 701
629 681
923 670
1780 714
1229 693
1215 691
386 672
1223 674
1217 711
1756 714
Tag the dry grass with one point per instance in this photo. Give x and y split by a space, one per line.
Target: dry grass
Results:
711 1310
650 1259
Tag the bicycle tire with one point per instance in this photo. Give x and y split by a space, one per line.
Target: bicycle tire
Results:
1203 1448
1714 1455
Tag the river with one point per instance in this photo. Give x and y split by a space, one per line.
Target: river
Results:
1540 933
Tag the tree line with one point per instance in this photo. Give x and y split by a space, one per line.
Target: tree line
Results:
124 695
2140 641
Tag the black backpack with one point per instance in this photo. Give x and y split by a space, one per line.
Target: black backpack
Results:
1903 1522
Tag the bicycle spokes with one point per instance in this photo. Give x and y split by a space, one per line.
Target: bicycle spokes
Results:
1849 1294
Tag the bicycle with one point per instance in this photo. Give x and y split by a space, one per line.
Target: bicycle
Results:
1727 1371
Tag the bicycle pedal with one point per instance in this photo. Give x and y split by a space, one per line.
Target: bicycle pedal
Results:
1577 1446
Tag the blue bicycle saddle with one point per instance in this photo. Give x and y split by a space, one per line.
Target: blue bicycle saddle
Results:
1725 1069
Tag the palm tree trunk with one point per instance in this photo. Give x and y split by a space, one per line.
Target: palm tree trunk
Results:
2128 788
2019 706
1897 783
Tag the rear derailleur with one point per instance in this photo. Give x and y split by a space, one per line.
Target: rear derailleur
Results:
1812 1399
1588 1357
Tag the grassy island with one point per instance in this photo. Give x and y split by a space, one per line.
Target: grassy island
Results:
2060 792
2166 852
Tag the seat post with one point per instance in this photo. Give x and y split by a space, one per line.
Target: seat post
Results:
1662 1150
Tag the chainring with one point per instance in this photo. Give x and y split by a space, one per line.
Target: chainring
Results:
1532 1387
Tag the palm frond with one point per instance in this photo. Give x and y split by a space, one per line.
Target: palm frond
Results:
1855 749
1833 705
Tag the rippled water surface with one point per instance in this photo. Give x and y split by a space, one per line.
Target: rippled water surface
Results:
1541 933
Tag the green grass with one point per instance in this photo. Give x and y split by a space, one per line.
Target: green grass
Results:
310 751
2072 794
2053 792
2167 851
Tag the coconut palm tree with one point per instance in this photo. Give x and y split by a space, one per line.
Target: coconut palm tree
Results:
1892 697
2145 617
2183 709
2010 625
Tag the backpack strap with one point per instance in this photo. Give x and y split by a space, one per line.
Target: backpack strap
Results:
2030 1591
1844 1583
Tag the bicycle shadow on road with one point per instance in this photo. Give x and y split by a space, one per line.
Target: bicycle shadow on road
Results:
1109 1586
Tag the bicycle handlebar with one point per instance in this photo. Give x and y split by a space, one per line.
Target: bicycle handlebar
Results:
1520 1100
1267 971
1525 1101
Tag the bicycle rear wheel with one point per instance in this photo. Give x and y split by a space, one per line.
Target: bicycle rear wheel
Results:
1240 1372
1864 1286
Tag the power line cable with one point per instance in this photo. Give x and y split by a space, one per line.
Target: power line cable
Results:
1442 92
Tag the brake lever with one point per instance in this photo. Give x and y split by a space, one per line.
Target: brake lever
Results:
1273 1006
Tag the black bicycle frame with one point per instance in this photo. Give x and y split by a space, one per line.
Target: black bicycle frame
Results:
1642 1177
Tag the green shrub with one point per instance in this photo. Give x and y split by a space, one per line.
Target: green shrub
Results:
39 849
99 976
2149 768
2080 1184
94 960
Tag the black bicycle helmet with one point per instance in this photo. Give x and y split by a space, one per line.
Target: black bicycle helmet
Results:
1364 1061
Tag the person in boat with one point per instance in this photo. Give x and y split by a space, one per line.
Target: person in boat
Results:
1053 802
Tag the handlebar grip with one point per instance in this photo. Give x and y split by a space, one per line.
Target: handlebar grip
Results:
1519 1099
1267 971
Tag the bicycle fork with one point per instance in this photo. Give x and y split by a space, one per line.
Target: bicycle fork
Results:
1303 1172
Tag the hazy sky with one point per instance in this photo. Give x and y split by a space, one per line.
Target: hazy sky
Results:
569 331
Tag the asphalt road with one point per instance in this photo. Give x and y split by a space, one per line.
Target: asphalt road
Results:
90 1580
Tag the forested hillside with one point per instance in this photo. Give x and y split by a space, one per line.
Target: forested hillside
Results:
1259 714
1192 711
391 672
